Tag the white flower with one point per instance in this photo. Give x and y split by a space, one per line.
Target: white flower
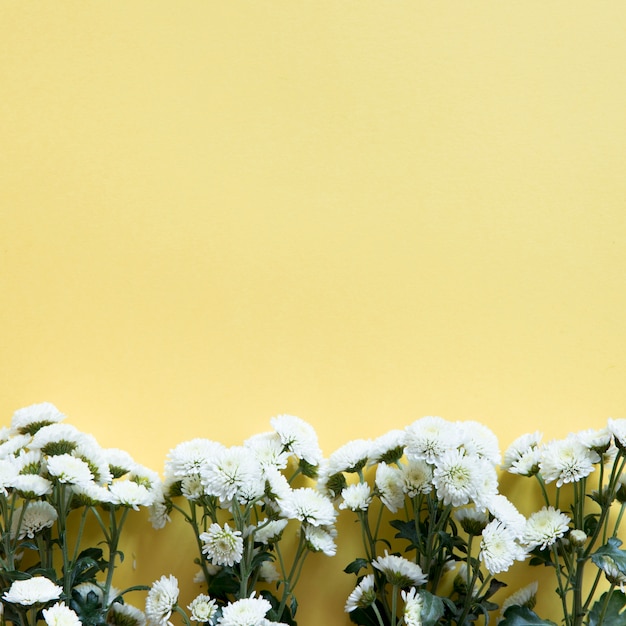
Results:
268 572
190 457
526 596
222 546
277 484
457 477
159 514
390 484
351 457
527 464
57 439
566 461
28 462
69 469
13 445
120 462
617 427
203 609
161 600
307 505
363 595
37 516
60 615
8 474
31 418
230 470
125 615
91 494
520 448
245 612
413 605
269 531
478 440
388 448
31 486
399 571
417 477
472 519
129 493
298 437
36 590
356 497
499 548
268 450
598 441
506 512
321 539
544 527
84 589
613 574
429 437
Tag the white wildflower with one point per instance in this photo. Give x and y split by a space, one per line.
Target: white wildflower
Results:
130 494
399 571
222 546
190 457
230 470
37 516
31 418
203 609
120 462
245 612
417 477
544 527
91 494
390 485
36 590
269 531
506 512
566 461
268 450
8 474
60 615
479 440
308 505
472 519
31 486
350 458
430 437
10 447
125 615
617 427
57 439
363 595
499 548
356 497
69 469
161 600
526 596
321 539
520 448
298 437
413 605
388 448
457 478
268 572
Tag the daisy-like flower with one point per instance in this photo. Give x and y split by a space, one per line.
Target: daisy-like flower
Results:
37 516
91 494
60 615
613 574
159 514
506 512
8 473
472 519
57 439
268 450
125 615
84 590
356 497
479 440
389 482
245 612
526 596
598 441
430 437
544 527
276 484
36 590
190 457
566 461
30 486
298 437
321 539
269 531
10 447
388 448
161 600
520 448
617 427
399 571
203 609
222 546
28 462
499 548
230 470
191 487
350 458
129 493
69 469
268 572
457 477
89 451
417 477
413 605
363 595
31 418
310 506
120 462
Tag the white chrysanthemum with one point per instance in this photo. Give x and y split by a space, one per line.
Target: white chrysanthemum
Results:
36 590
617 427
430 437
486 483
57 439
499 548
472 519
10 447
526 596
8 474
245 612
298 437
91 494
388 448
31 486
413 605
277 484
203 609
37 516
159 514
520 448
268 450
527 464
269 531
60 615
399 571
389 482
363 595
457 478
86 588
143 475
321 539
230 469
268 572
350 458
613 574
129 493
356 497
544 527
120 462
90 452
28 462
125 615
417 477
191 487
161 600
566 461
506 512
190 457
479 440
308 505
31 418
69 469
597 440
222 546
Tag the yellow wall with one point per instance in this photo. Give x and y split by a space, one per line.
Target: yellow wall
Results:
359 213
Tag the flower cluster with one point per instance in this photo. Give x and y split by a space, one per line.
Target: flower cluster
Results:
243 503
51 473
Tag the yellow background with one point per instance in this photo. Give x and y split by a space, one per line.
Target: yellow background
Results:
359 213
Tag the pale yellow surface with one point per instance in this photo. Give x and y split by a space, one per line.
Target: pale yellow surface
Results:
359 213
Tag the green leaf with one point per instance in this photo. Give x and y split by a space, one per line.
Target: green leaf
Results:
406 530
432 608
614 614
356 566
612 551
523 616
